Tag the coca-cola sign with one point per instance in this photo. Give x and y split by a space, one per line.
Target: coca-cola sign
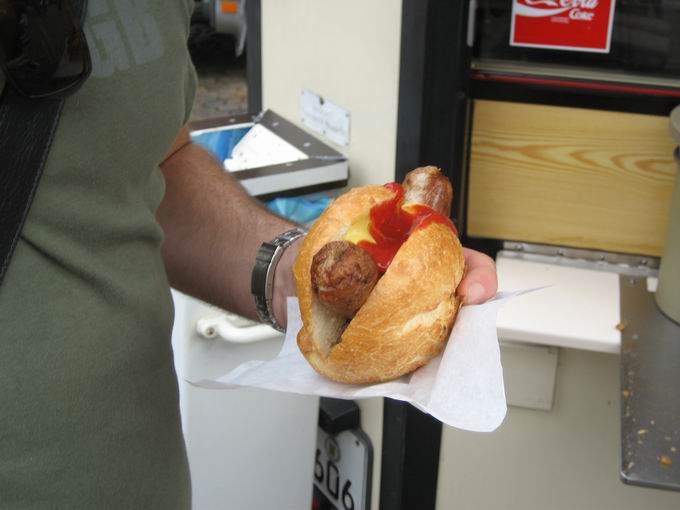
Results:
577 25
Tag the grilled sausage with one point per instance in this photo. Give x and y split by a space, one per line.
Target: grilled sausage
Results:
343 275
428 186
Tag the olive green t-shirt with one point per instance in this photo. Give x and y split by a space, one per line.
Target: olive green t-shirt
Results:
89 415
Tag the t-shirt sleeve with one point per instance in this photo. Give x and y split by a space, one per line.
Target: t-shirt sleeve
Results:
190 84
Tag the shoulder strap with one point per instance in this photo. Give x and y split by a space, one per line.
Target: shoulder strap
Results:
27 127
26 131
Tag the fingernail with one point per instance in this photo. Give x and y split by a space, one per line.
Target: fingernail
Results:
474 294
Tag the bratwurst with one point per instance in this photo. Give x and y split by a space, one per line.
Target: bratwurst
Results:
344 274
428 186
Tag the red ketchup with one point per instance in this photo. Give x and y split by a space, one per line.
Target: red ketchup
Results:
391 225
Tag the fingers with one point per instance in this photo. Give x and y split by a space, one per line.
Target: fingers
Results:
479 282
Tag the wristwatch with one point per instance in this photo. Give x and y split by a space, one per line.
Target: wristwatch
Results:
262 279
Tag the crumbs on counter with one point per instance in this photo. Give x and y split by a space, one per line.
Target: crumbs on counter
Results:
666 460
621 326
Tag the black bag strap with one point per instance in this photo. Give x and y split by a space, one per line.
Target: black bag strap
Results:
26 131
27 127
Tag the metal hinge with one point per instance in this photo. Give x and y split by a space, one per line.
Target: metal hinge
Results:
622 263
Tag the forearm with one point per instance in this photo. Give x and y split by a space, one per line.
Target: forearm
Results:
213 230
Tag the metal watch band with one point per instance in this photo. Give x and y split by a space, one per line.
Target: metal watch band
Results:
262 279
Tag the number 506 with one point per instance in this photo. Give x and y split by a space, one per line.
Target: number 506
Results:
329 477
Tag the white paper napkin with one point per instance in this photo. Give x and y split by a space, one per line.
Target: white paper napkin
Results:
463 387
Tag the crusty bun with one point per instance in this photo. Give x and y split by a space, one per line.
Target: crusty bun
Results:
408 316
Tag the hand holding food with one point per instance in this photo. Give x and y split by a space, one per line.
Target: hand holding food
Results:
377 277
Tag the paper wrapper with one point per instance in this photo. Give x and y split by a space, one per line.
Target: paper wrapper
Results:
463 387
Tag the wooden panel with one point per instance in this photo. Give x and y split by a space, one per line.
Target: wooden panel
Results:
569 176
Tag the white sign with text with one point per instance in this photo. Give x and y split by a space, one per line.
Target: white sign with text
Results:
325 117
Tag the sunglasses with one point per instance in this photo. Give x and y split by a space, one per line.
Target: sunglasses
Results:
43 51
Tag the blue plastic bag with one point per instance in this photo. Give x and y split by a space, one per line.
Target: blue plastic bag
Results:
221 141
303 210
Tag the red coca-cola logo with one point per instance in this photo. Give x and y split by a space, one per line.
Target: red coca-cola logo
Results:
582 10
582 25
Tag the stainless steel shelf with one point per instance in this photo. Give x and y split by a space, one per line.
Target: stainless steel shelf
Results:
650 390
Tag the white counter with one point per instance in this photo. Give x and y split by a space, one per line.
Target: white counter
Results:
579 309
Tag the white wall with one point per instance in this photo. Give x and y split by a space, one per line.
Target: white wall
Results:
348 52
564 459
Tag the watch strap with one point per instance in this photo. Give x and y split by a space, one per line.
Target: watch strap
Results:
264 269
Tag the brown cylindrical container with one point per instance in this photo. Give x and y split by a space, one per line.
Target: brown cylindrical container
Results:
668 290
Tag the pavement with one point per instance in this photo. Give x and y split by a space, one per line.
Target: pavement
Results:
222 84
222 90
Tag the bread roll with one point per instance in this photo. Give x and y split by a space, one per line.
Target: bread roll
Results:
408 316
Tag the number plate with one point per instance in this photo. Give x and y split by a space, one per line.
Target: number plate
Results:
342 469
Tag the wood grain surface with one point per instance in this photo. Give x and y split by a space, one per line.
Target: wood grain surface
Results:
572 177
